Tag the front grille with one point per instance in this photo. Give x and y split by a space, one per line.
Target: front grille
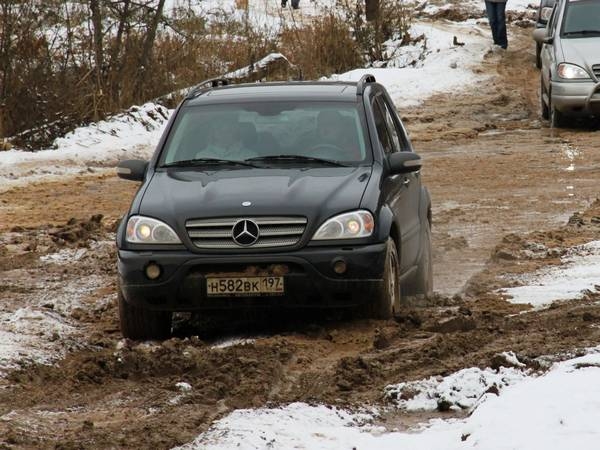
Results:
216 234
596 69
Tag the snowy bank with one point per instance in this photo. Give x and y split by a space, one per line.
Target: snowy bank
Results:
443 66
560 410
578 273
131 134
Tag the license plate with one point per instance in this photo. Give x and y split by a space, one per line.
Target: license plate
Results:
244 286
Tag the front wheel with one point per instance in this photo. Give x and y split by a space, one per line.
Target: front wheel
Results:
545 109
557 119
141 324
386 301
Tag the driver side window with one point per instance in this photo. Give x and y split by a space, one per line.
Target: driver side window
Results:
552 21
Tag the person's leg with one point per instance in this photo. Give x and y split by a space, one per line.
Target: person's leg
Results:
490 8
501 25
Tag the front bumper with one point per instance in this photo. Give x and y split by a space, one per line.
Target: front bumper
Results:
576 98
309 278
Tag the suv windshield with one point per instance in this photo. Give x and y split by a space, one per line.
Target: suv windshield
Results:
268 133
582 18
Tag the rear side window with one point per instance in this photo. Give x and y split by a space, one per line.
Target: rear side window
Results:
330 130
581 18
382 130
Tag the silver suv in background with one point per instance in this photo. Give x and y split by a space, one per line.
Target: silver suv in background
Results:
544 12
570 72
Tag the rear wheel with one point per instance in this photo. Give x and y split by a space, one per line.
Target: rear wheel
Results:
387 298
422 283
141 324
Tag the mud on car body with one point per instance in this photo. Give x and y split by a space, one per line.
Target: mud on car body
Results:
287 195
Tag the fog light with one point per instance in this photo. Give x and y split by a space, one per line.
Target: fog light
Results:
339 266
153 271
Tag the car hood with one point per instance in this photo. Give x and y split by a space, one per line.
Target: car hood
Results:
582 51
315 193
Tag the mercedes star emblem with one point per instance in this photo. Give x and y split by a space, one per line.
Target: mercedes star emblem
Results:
245 233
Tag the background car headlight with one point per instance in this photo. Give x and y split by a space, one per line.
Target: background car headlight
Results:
571 72
145 230
545 14
356 224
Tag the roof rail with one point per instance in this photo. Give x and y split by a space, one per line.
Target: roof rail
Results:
366 78
206 84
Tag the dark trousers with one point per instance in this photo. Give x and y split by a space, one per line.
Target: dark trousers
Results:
497 17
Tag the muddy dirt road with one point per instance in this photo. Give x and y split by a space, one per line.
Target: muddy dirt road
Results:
501 181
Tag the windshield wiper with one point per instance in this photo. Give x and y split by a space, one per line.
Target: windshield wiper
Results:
297 158
206 161
571 33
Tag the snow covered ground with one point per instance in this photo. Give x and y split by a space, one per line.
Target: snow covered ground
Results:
559 410
578 273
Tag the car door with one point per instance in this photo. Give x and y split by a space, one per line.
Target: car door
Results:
401 191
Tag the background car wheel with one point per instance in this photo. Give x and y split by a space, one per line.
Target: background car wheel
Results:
557 119
538 55
422 283
545 109
140 324
387 299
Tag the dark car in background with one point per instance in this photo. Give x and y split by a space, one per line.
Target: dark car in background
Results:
544 12
275 195
570 72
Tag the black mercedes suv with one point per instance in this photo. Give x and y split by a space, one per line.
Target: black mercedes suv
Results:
275 195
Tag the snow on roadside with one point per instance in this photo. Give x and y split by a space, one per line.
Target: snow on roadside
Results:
40 324
578 273
131 134
459 391
444 67
559 410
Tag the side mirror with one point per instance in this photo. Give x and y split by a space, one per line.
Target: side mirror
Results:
132 169
539 35
404 162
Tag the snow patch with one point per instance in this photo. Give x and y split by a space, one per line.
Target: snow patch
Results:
459 391
579 272
442 67
560 411
231 342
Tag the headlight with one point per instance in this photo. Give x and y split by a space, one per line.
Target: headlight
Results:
545 14
571 72
356 224
145 230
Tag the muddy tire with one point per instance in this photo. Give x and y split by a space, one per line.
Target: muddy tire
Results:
142 324
386 301
545 109
557 119
422 282
538 55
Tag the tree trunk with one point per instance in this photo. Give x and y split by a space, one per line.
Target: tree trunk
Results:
372 9
98 53
146 55
115 61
